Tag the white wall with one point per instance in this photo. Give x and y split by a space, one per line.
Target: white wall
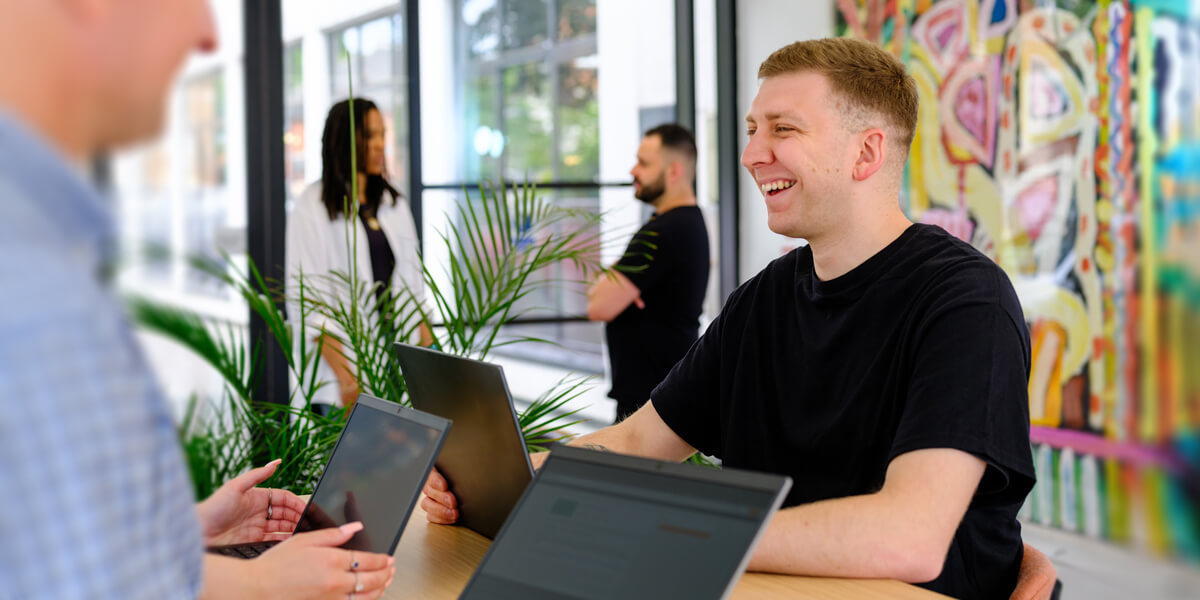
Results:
637 63
764 26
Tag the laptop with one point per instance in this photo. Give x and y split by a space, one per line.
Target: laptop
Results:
374 475
485 460
601 525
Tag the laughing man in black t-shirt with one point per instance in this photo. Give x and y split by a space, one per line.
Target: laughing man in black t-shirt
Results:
883 366
651 300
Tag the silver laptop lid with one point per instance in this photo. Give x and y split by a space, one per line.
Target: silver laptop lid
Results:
601 525
375 473
484 459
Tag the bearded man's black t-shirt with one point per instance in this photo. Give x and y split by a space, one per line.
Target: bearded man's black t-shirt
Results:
667 260
924 345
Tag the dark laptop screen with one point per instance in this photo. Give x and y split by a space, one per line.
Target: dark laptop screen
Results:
586 530
380 460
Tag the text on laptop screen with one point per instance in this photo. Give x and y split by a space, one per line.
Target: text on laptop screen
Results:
593 531
379 461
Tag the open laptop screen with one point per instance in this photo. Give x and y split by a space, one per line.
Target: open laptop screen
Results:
380 462
585 529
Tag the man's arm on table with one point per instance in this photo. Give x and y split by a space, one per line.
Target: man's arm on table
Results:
612 293
903 531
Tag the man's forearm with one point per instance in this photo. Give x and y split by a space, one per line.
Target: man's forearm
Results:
902 531
642 434
858 536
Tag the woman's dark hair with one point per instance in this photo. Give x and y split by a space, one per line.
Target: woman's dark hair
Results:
335 159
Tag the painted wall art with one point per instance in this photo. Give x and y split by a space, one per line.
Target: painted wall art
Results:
1062 139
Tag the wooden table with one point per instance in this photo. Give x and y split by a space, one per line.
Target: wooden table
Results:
435 561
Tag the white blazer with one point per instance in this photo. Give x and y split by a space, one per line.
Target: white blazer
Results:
317 246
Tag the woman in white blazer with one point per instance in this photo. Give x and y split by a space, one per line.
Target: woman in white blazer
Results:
385 248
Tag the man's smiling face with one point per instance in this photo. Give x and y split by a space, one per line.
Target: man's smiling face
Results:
799 153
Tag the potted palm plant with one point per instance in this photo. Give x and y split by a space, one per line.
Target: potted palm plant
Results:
500 239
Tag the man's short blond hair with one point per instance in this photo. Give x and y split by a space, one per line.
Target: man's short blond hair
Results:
867 80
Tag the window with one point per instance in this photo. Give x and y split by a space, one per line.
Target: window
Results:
374 52
294 167
204 206
182 196
533 99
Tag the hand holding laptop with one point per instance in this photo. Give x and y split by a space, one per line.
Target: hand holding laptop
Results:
440 504
438 501
238 512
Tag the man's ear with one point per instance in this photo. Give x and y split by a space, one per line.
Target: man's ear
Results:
675 170
872 152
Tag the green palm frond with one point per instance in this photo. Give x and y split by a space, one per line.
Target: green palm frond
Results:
497 244
546 420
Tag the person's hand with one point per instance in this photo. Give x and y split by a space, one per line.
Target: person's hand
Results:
238 512
438 501
440 504
311 566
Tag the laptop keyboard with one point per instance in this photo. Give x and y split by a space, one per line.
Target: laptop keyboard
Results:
243 550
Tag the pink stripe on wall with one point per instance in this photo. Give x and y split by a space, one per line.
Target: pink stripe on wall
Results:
1095 445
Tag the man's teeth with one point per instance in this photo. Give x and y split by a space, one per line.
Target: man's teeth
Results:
776 185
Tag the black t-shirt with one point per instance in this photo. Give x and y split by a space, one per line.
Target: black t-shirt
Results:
383 261
924 345
667 260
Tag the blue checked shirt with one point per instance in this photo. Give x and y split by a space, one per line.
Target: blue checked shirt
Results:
95 501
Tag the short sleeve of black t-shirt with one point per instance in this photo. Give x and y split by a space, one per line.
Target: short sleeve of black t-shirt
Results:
922 346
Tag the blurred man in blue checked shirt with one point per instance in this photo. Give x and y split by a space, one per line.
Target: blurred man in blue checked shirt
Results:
96 501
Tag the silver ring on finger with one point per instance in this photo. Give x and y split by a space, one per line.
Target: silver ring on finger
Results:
357 583
270 512
350 596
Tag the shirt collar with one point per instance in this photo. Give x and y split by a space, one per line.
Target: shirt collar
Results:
50 183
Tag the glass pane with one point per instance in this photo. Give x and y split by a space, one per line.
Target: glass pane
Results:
344 45
579 126
576 17
373 52
377 51
481 27
528 123
183 196
484 140
205 113
524 23
518 94
204 208
293 119
562 289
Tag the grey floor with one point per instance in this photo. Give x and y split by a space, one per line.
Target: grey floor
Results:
1090 569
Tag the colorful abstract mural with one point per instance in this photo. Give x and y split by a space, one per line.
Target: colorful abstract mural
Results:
1062 139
